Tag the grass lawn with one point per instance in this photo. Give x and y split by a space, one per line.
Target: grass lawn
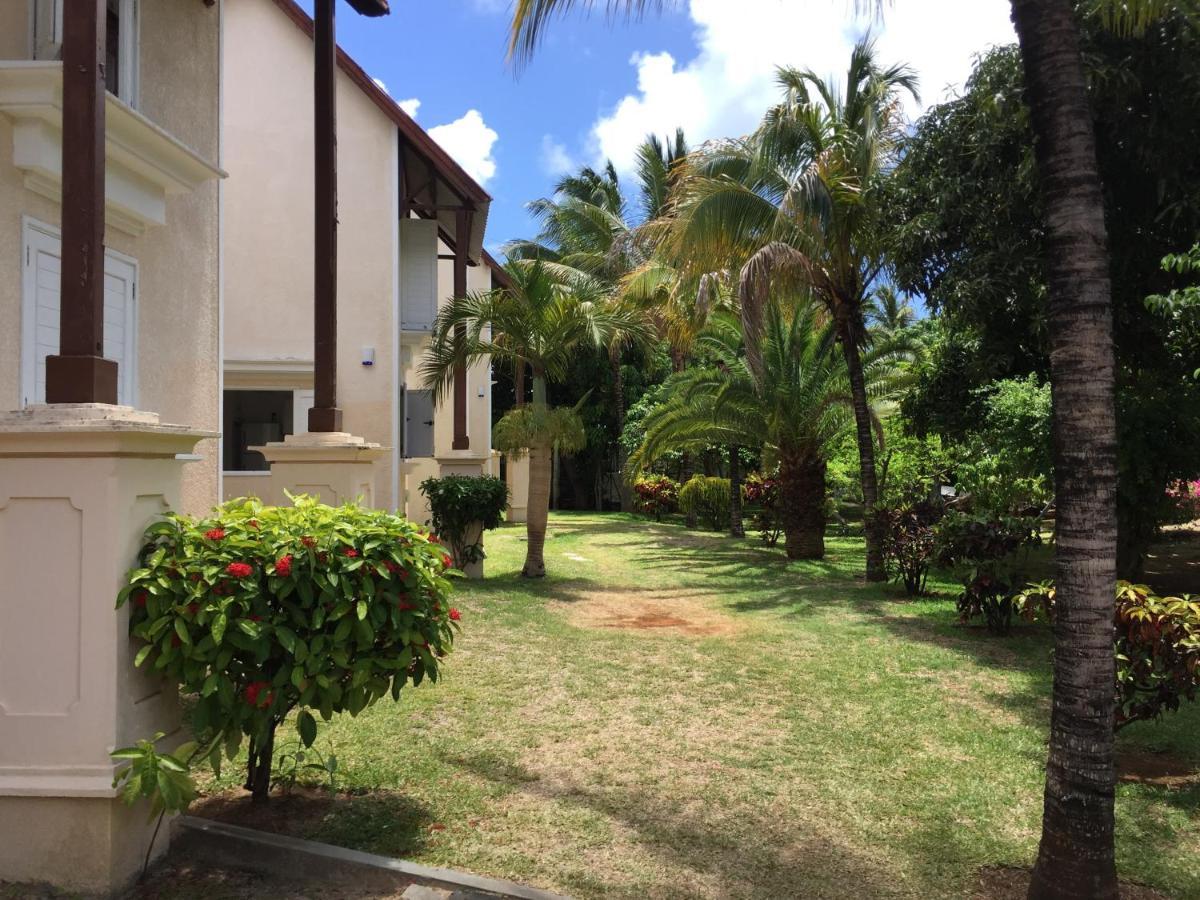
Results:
674 714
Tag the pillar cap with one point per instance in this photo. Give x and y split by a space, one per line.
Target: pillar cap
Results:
321 447
76 429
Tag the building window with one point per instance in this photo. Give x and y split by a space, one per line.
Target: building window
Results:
121 42
254 418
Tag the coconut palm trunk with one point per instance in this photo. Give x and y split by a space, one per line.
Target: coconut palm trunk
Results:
736 526
802 503
538 511
866 448
623 487
1075 858
538 505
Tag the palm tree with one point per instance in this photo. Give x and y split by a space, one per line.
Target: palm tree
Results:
586 227
799 202
1076 855
888 312
539 323
795 403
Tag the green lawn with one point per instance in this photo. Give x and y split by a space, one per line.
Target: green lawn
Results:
673 714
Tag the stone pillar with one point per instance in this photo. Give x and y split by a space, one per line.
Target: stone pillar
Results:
517 474
335 466
78 486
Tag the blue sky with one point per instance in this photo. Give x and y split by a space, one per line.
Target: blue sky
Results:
595 88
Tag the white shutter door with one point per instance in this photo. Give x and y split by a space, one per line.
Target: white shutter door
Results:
418 274
41 311
47 29
302 402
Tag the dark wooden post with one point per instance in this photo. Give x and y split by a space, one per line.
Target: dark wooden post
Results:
462 238
80 373
325 415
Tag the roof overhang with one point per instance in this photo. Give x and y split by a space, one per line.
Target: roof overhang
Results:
371 8
424 164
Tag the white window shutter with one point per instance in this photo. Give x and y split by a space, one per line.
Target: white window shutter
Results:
302 402
418 274
41 315
47 29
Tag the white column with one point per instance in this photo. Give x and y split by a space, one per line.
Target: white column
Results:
78 486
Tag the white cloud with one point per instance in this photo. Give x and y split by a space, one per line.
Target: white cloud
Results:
470 141
555 158
410 106
727 86
380 84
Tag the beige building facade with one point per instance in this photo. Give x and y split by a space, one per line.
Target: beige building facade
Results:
79 481
162 223
403 208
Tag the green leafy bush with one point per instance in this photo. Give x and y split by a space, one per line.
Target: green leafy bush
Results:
989 557
656 495
459 504
1157 646
708 498
910 542
258 611
761 493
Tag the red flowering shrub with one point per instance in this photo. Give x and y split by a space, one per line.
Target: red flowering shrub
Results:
1156 642
656 495
761 494
989 556
1183 502
306 608
910 542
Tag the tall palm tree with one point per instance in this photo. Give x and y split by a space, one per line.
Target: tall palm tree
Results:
539 323
586 226
800 202
888 312
1076 857
795 404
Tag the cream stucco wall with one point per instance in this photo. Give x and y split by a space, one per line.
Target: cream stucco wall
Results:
178 353
269 218
269 236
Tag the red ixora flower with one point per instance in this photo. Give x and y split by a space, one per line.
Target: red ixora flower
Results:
349 552
404 606
215 534
253 523
308 541
239 569
455 615
447 562
259 693
283 566
139 599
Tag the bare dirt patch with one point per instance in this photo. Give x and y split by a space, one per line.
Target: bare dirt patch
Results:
290 813
1159 769
676 611
1012 883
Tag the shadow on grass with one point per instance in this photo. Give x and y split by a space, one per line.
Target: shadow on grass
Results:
386 822
762 855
